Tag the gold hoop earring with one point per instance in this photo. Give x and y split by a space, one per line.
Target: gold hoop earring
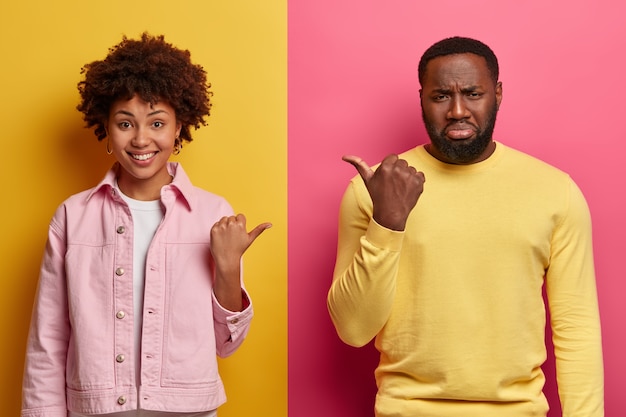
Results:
178 145
109 150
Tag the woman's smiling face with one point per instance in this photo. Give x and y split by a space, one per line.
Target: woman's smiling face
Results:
142 137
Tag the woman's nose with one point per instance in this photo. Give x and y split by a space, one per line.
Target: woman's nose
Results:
141 137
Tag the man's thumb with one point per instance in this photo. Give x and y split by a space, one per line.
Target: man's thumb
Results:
361 166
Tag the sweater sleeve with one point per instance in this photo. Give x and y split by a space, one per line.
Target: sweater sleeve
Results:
571 291
43 388
364 283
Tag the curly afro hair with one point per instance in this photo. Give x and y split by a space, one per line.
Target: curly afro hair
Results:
152 69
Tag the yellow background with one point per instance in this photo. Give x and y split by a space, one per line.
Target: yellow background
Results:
242 155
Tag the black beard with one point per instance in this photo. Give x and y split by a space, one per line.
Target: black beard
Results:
462 152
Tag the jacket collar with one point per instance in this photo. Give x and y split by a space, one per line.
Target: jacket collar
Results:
180 185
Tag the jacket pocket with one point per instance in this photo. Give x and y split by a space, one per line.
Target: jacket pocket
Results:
91 356
189 353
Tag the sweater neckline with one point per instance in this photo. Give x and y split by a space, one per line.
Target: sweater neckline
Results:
435 163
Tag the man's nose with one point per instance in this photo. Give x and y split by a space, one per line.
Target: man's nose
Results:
458 109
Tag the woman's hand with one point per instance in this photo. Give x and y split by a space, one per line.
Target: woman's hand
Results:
229 241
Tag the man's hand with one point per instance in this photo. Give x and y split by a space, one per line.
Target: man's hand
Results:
394 188
229 240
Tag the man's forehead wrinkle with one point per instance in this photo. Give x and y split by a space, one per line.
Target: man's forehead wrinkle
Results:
453 78
456 86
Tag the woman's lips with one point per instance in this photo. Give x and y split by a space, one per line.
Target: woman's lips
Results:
143 156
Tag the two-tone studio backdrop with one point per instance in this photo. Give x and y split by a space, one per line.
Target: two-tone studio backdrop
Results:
298 84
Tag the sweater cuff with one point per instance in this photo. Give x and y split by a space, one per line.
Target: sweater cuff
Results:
384 238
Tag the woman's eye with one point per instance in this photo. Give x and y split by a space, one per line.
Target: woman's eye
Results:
157 124
124 125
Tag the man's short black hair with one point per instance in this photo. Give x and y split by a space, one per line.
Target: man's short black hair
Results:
459 45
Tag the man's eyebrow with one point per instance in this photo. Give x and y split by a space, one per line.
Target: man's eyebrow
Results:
468 89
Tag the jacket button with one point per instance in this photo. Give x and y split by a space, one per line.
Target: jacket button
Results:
121 229
120 314
120 358
119 272
121 400
234 321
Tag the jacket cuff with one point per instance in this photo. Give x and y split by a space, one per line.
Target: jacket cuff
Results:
233 319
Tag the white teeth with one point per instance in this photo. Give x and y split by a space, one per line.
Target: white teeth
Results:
143 157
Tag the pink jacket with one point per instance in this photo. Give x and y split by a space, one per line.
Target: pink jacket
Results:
81 336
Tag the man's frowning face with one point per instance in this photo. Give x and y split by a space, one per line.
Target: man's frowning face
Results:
460 101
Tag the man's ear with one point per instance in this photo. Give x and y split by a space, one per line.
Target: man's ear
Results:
498 94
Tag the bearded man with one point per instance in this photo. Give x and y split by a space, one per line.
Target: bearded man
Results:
448 276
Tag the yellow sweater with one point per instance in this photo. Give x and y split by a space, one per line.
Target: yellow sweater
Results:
455 301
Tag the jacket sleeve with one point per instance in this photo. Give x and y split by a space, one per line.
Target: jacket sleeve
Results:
364 282
231 327
575 321
43 389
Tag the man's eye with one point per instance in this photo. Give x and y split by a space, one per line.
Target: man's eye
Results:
440 97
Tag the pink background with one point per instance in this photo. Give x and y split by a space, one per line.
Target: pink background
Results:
353 89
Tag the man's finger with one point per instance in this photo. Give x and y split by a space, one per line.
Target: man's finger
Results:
361 166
